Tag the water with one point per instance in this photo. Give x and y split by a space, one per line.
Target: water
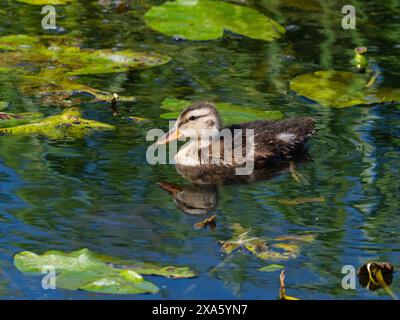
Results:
100 193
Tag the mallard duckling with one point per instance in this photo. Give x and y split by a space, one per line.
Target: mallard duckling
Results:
273 139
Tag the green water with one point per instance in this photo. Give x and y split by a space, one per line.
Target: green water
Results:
100 193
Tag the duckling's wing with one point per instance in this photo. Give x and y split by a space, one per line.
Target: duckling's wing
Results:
281 138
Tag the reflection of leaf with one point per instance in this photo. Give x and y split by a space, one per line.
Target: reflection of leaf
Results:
88 271
288 247
10 119
271 268
69 123
339 89
230 114
207 20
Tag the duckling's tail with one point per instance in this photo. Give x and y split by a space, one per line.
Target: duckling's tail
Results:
293 134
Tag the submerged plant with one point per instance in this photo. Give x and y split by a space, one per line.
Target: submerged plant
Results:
86 270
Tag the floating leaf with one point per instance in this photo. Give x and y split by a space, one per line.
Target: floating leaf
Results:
207 20
10 119
271 268
68 123
48 65
230 114
340 89
288 247
85 270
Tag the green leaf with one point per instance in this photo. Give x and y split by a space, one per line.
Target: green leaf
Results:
58 83
340 89
86 270
67 124
271 268
208 19
230 113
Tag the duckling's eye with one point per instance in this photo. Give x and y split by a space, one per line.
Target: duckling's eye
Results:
192 118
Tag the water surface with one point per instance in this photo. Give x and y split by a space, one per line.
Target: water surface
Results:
100 193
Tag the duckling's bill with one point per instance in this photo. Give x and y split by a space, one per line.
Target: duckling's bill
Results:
170 136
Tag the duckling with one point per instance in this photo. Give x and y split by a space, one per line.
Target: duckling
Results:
271 139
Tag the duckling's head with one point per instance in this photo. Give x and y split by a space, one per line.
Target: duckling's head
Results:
201 118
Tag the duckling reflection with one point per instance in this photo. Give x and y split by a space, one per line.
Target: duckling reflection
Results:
201 197
192 199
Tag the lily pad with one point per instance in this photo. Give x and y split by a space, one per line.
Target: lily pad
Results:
340 89
48 65
10 119
230 113
67 124
271 268
86 270
207 20
288 247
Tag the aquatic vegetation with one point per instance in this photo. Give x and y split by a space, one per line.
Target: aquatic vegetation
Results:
67 124
55 61
282 248
208 222
360 61
10 119
230 114
282 290
271 268
341 89
86 270
207 20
